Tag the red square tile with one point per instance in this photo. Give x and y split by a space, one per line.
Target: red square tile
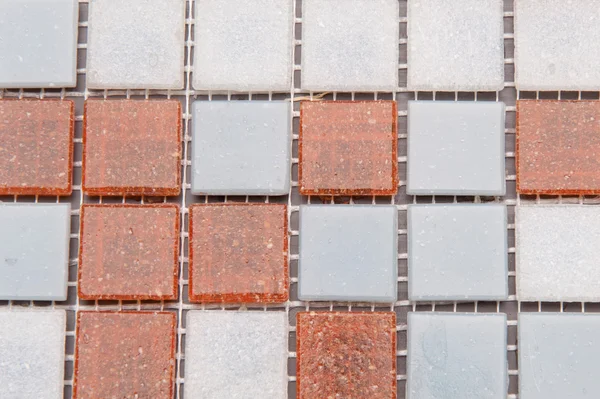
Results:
238 253
348 148
125 355
132 147
346 355
36 147
129 251
558 147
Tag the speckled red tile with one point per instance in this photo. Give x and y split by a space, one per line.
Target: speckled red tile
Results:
558 147
346 355
348 148
125 355
128 251
238 253
36 150
132 147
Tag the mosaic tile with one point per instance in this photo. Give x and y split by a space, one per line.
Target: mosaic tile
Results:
145 52
556 45
556 147
129 252
457 252
348 253
36 150
233 40
346 355
455 148
34 251
132 147
456 46
32 353
38 43
238 253
456 355
125 355
350 46
348 148
232 354
241 147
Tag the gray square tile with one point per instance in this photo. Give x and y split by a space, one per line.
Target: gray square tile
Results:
34 251
348 253
38 43
457 252
241 147
456 356
455 148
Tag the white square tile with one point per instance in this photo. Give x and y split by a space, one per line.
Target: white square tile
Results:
136 44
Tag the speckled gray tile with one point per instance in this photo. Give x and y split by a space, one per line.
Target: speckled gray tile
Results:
348 253
456 356
457 252
455 148
34 251
241 147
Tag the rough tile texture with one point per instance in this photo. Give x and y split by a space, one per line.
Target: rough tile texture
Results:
132 147
38 43
32 353
455 45
234 38
36 150
350 46
236 355
556 45
34 251
238 253
455 148
557 255
128 251
348 253
136 44
557 356
125 355
557 147
348 148
241 147
457 252
346 355
456 355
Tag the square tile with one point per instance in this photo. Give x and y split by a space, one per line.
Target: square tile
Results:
241 147
557 142
36 155
557 255
455 148
38 43
32 353
348 253
556 45
457 252
232 354
128 252
458 355
348 148
238 253
233 40
125 354
456 45
132 147
346 355
34 251
145 52
350 45
557 355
